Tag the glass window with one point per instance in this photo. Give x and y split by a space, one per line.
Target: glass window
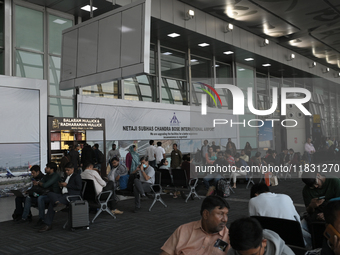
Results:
108 90
223 76
140 88
173 64
29 65
55 27
29 29
152 59
60 107
245 80
54 78
173 91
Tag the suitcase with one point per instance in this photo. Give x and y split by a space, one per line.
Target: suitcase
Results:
79 214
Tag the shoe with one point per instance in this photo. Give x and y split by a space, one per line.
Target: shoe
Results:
21 221
39 224
137 209
116 211
143 198
59 207
45 228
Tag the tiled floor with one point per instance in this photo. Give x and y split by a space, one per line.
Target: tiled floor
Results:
131 233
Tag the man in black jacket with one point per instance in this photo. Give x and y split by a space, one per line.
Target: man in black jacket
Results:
24 212
71 186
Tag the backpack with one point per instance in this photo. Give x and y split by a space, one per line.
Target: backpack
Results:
223 188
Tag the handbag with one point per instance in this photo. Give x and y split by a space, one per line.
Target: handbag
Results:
274 181
123 182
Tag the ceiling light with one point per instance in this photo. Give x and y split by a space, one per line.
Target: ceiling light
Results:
193 60
88 8
291 57
313 64
337 75
228 52
228 28
203 44
266 65
326 70
241 69
249 59
265 42
167 53
173 35
217 65
59 21
189 15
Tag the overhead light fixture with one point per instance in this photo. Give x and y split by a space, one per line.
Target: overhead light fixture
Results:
313 64
203 44
265 65
228 28
228 52
265 43
326 70
59 21
167 53
241 69
173 35
193 60
217 65
337 75
248 59
291 57
189 15
88 8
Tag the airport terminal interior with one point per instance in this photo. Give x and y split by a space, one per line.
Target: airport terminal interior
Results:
255 75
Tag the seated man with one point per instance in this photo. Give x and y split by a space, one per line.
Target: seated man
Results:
117 170
22 212
247 237
265 203
244 156
49 183
142 185
100 185
241 167
219 162
201 237
71 186
317 190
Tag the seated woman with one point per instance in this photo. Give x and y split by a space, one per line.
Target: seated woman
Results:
240 165
210 156
164 164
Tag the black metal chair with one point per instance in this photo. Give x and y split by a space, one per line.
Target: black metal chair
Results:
289 230
99 201
180 180
157 190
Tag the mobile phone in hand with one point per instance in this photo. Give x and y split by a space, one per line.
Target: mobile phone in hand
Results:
323 197
330 232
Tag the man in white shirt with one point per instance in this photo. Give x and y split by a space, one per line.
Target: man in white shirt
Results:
160 152
265 203
100 185
309 149
244 156
151 153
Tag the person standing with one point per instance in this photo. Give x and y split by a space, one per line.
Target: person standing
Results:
74 156
204 151
309 150
231 146
132 159
151 153
160 153
248 149
176 157
112 153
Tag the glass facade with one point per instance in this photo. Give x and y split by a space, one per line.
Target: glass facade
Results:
38 54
